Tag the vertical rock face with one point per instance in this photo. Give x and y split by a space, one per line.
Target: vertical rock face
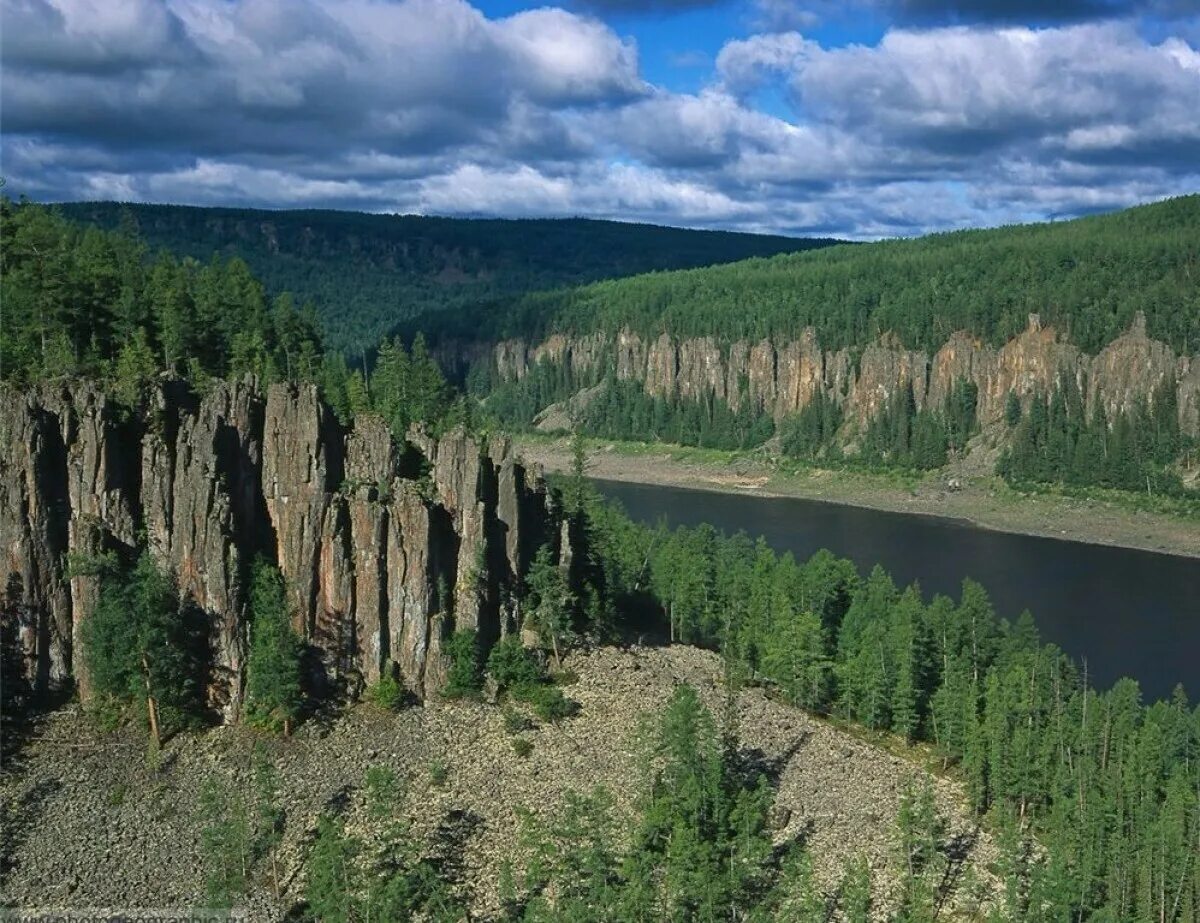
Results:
34 516
198 490
1126 367
1035 361
662 364
298 477
1188 375
511 360
379 566
701 369
886 369
784 377
962 358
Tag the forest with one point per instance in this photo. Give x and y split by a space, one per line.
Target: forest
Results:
80 301
1093 795
367 274
1052 442
1087 277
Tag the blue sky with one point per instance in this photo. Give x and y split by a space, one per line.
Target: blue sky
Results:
862 118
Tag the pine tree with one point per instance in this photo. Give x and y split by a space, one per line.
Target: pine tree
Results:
136 370
1012 409
333 874
855 891
919 828
465 676
225 841
141 646
15 689
273 683
548 601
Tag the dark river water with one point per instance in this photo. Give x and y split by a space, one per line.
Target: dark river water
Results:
1129 613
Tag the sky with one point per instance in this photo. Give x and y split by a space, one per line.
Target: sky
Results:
859 118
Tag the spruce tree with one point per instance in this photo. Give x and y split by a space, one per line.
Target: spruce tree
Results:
273 680
142 648
548 602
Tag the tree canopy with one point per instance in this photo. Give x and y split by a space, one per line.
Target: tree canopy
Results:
1087 277
368 273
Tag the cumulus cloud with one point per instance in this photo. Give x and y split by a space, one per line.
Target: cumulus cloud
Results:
1079 92
431 106
649 7
786 15
263 77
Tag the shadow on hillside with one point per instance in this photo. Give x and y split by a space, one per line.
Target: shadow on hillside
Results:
20 819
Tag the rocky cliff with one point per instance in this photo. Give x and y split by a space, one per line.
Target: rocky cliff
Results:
386 547
781 378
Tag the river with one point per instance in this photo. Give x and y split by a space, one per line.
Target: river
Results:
1126 612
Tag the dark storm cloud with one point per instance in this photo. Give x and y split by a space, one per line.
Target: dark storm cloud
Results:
1030 11
787 15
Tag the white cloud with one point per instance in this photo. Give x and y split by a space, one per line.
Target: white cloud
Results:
429 105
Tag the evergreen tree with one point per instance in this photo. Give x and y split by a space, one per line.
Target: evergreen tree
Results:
1012 409
548 602
142 647
273 684
466 672
15 689
225 842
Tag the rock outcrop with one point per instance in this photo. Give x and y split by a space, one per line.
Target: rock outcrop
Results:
385 546
783 377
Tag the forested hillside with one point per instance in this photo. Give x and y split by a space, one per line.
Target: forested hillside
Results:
184 549
1087 277
1069 347
366 273
81 301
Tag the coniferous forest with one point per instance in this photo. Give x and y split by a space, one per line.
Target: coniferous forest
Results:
1088 277
402 266
1091 795
212 316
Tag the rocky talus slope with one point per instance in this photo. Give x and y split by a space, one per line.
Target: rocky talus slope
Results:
781 378
89 823
386 546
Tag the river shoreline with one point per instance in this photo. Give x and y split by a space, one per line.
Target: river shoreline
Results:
983 502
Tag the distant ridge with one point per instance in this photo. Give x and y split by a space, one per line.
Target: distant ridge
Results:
368 273
1088 277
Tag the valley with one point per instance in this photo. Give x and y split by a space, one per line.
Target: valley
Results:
305 632
694 461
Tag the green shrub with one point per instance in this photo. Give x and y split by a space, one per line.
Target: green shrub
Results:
387 694
547 701
511 665
107 713
515 722
522 746
439 773
465 678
